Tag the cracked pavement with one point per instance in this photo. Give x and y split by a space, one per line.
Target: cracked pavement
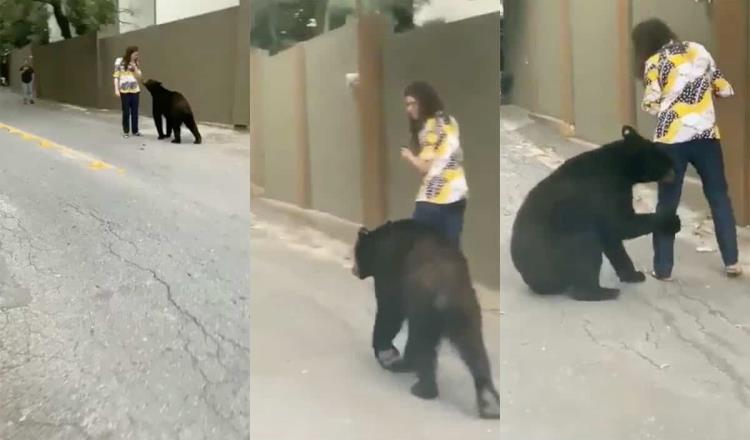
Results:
665 361
123 298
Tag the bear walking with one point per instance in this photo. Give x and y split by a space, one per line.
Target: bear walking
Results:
175 108
422 278
584 209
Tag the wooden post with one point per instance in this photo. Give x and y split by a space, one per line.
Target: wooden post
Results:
730 28
370 34
625 80
257 158
567 111
304 193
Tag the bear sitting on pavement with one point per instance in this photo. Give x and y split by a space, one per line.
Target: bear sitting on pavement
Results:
584 209
422 278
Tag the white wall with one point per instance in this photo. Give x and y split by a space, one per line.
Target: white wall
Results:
54 29
172 10
143 15
454 10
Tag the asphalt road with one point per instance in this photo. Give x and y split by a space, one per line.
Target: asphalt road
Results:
313 373
124 279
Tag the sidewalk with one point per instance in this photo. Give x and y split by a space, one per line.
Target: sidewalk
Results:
547 145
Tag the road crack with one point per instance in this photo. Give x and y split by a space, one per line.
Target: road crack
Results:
720 364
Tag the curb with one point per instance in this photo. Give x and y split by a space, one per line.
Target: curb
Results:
340 230
333 227
108 111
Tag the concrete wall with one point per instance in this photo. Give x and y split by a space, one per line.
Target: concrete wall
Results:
334 134
211 72
173 10
279 119
257 63
241 111
534 50
180 56
16 59
519 35
467 80
307 126
595 65
66 71
532 47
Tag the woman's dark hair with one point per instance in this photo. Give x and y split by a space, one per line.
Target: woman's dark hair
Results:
128 54
429 104
648 38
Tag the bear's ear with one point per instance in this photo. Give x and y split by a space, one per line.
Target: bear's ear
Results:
629 132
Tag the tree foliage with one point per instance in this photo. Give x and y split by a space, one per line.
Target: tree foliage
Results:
83 16
277 24
22 23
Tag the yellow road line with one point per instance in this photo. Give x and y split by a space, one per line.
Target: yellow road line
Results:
92 163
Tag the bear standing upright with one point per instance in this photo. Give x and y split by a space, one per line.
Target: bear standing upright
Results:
175 108
423 278
584 209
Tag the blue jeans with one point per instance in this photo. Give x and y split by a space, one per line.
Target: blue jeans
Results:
129 112
446 219
705 155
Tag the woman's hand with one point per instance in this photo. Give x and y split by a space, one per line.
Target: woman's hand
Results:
420 165
117 92
407 154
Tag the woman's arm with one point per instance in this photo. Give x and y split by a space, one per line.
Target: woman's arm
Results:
652 94
421 165
721 87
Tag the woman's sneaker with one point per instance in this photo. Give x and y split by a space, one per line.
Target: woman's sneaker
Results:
665 278
733 270
125 135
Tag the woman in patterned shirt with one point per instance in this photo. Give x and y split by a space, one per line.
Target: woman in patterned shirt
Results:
126 76
441 201
680 79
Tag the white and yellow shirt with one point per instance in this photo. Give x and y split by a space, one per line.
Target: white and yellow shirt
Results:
680 82
445 182
127 78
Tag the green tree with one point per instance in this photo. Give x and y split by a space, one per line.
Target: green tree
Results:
83 16
277 24
21 23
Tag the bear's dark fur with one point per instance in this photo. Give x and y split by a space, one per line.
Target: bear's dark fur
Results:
424 279
584 209
175 108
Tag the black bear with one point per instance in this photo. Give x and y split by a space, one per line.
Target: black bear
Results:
175 108
422 278
584 209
